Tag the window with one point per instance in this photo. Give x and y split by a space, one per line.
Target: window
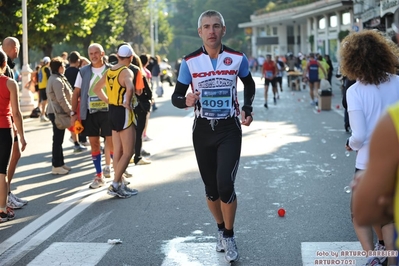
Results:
275 32
262 32
322 23
346 18
333 21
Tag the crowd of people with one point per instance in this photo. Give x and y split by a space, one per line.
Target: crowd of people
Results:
313 69
111 98
103 97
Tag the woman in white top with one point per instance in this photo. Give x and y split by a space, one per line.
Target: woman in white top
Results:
371 60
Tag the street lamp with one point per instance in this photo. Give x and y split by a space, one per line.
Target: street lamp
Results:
26 99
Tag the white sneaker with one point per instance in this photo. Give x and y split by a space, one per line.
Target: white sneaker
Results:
12 203
143 161
24 202
59 171
230 248
127 174
43 118
66 167
107 172
219 239
97 182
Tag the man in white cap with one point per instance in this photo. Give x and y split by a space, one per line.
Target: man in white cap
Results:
44 75
120 94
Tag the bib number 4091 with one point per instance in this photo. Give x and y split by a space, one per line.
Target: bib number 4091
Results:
215 103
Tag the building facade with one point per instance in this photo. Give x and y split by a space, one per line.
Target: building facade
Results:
316 26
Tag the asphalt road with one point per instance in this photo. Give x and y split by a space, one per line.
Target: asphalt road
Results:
293 157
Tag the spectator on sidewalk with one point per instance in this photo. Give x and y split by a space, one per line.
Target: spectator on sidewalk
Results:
59 93
11 47
375 89
10 116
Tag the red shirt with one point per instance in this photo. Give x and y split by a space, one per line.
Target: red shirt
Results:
269 69
5 104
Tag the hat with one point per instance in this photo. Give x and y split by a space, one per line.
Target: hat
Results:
46 60
125 51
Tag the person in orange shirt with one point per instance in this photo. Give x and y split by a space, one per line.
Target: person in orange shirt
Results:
269 71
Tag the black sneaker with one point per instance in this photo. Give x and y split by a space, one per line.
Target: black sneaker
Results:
274 100
119 192
9 215
265 105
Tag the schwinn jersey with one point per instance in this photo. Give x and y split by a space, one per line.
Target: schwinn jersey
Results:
215 80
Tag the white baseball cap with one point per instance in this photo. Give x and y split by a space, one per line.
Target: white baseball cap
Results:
125 51
46 59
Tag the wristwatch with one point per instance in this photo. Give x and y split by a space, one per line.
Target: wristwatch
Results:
73 113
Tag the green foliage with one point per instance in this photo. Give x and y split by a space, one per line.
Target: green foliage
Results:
342 34
281 5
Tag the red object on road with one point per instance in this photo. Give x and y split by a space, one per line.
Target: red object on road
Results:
281 212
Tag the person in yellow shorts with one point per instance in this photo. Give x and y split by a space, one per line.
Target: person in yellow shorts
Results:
120 92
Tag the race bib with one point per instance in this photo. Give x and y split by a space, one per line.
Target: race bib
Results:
215 103
269 74
96 105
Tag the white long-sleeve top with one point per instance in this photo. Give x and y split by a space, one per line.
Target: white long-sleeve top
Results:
366 104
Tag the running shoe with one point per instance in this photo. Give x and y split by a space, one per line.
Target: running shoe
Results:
230 248
107 172
97 182
11 202
79 148
219 241
143 161
7 216
118 192
44 119
18 199
125 181
145 153
274 100
127 174
129 190
265 105
379 247
66 167
86 143
146 138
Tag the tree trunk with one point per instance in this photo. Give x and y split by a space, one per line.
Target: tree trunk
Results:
47 50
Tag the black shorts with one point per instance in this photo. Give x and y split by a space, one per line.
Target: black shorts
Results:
96 124
42 95
5 151
268 81
120 117
218 155
313 81
279 80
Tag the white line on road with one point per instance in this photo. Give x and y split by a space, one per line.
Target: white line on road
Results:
28 232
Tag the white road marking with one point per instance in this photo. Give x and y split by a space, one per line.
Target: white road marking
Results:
73 254
192 251
33 236
316 251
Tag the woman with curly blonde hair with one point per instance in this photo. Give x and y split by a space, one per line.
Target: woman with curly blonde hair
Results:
370 59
